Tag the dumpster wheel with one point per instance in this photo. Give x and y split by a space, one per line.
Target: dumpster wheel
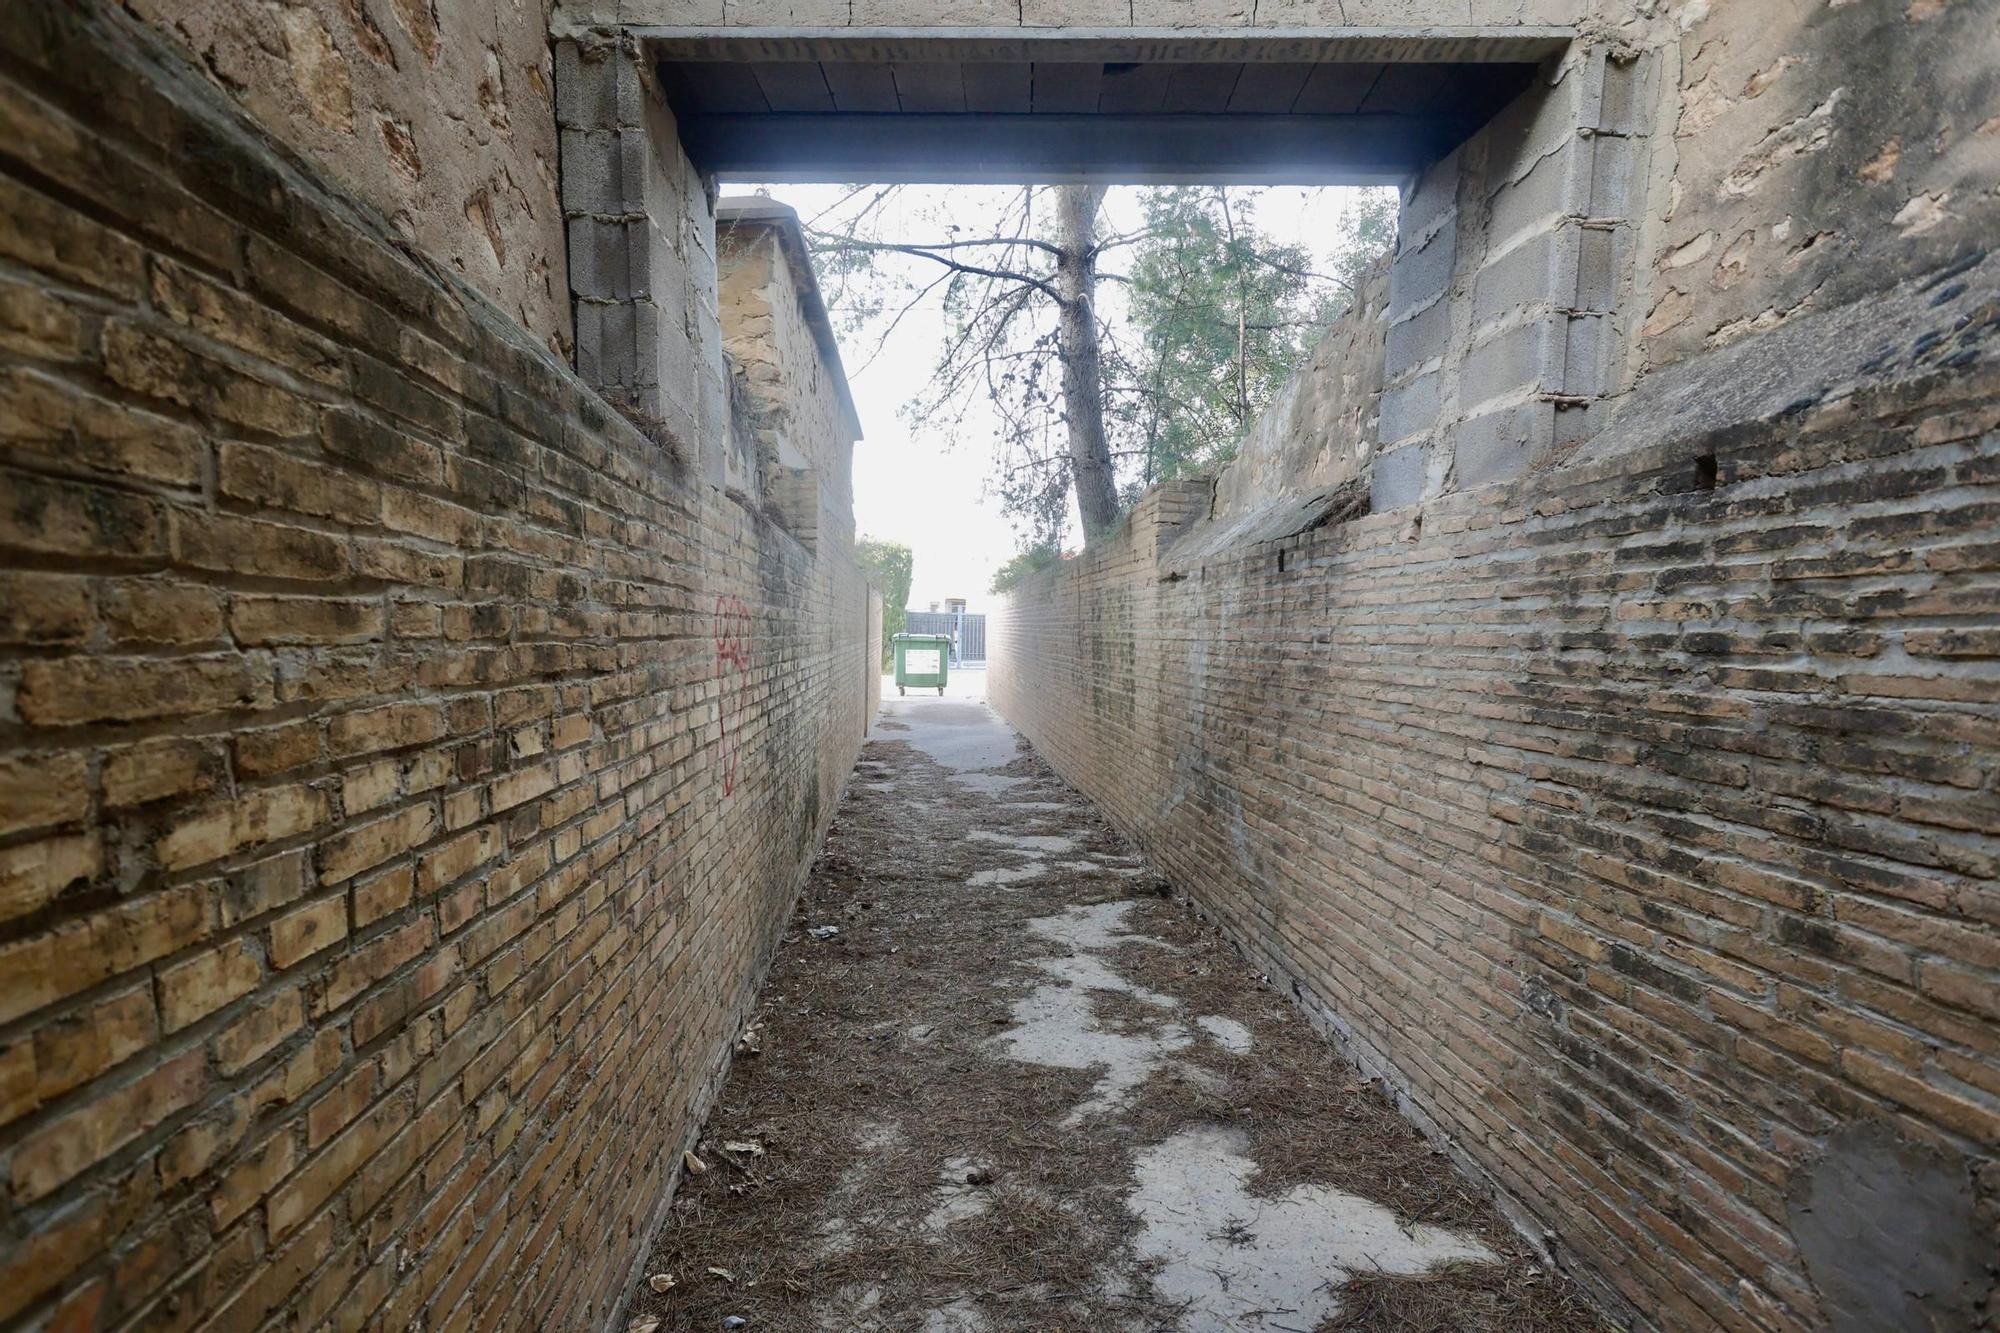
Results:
940 691
901 690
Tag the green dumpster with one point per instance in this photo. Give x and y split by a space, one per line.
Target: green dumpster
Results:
921 660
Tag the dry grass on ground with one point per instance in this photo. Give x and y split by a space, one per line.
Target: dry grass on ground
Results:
1464 1298
869 1074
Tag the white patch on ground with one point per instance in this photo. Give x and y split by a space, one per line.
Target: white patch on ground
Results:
961 1316
1025 842
1097 926
1099 868
956 1200
1235 1038
835 1232
1056 1023
878 1136
856 1306
982 879
1038 805
1250 1263
988 784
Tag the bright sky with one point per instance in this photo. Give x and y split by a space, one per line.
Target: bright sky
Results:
929 492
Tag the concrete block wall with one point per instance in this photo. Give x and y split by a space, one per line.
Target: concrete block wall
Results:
1504 311
406 762
642 263
1631 820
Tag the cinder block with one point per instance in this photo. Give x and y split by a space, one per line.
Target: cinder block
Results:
1597 267
1625 89
1586 358
1396 479
1499 445
1428 198
1412 342
1557 187
598 86
1410 409
592 173
607 260
1536 123
1525 356
1539 271
1612 162
589 341
1423 272
617 346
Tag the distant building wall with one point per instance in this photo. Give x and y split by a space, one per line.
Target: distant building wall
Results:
779 341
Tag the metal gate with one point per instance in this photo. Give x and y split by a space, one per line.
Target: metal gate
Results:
966 629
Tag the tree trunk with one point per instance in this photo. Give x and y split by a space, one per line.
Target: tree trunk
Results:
1082 360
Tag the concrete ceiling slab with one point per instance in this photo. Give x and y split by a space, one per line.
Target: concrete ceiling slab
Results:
1176 106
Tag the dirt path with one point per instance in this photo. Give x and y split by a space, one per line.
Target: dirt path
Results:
998 1082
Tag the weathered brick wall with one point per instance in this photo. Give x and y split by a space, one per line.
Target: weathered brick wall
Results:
405 763
1635 820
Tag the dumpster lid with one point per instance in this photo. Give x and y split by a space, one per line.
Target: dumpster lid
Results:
941 638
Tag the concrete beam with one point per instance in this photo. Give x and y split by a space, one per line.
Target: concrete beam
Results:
1053 149
1451 45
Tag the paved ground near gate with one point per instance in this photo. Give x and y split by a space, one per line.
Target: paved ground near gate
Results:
1001 1079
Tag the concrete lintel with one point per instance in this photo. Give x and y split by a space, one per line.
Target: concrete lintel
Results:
1417 45
1053 149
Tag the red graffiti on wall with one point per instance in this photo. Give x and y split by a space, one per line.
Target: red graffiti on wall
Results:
732 662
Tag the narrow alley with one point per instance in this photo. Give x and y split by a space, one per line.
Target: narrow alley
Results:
998 1079
1479 809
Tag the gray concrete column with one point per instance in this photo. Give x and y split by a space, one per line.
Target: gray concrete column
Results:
641 225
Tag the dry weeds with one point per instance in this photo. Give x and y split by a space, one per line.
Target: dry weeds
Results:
873 1075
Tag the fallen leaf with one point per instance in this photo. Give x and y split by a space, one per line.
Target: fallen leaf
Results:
739 1146
661 1282
724 1274
694 1165
643 1326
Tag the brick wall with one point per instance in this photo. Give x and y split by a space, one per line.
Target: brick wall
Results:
1634 820
405 762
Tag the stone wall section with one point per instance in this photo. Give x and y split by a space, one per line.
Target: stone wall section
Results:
1819 154
436 112
406 762
1316 439
780 344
